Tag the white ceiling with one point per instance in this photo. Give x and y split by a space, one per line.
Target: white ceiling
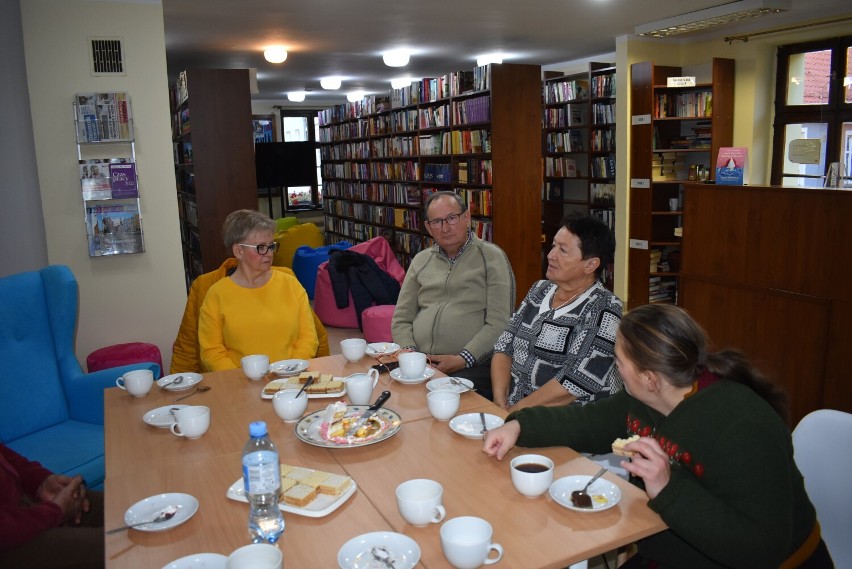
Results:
347 37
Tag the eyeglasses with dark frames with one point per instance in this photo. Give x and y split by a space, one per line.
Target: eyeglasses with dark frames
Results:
263 248
451 219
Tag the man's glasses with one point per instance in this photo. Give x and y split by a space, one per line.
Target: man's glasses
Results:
263 248
451 219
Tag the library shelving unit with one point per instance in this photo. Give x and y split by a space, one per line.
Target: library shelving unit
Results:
106 155
680 117
214 160
579 149
474 132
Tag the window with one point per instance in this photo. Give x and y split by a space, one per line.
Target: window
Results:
812 144
302 127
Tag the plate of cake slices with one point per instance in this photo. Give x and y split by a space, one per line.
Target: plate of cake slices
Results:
330 427
305 491
323 386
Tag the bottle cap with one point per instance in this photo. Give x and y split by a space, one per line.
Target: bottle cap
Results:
257 428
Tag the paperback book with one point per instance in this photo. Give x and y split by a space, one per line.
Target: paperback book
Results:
732 166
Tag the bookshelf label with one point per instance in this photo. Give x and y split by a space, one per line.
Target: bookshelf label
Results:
680 82
640 183
640 119
638 244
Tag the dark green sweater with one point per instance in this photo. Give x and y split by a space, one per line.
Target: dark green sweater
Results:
735 497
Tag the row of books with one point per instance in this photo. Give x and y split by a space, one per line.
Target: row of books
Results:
668 166
434 117
478 201
474 171
103 117
602 166
605 215
693 104
108 179
475 141
603 85
603 113
403 218
603 140
603 194
400 194
437 172
565 116
475 110
662 290
566 141
565 91
346 151
560 167
344 132
482 229
403 241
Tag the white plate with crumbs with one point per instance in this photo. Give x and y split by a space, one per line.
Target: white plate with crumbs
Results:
604 493
357 553
470 425
286 368
150 508
171 384
162 417
382 348
446 384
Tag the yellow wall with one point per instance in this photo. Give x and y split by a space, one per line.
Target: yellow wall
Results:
123 298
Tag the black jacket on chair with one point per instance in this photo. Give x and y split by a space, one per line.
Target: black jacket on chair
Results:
359 274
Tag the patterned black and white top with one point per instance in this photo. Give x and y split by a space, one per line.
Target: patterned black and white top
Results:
574 344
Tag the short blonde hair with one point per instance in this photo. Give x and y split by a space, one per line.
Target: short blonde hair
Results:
240 223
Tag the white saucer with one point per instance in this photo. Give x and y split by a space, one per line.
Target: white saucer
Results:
161 417
278 368
444 384
382 348
604 493
199 561
190 379
397 375
469 425
150 508
357 552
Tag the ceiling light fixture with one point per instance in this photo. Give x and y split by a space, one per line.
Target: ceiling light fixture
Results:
400 82
730 13
296 96
275 54
331 83
354 96
396 57
489 58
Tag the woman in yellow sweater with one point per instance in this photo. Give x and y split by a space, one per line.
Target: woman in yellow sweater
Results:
255 310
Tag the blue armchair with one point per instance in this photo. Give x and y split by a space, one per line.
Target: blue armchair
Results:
50 411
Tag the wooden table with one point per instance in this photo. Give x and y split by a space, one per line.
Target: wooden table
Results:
142 461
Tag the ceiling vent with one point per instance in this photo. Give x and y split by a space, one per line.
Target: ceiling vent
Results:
106 56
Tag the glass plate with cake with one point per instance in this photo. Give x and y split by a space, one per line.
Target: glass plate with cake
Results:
323 386
305 491
331 427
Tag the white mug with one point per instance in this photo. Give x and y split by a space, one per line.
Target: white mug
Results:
412 364
466 542
255 366
353 349
443 404
191 422
419 502
288 406
256 556
532 474
137 383
674 204
360 386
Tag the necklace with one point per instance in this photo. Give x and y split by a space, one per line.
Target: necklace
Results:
567 302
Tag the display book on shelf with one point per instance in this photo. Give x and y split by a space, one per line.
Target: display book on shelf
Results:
579 148
680 117
106 169
384 155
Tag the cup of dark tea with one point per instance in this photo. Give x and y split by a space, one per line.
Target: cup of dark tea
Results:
532 474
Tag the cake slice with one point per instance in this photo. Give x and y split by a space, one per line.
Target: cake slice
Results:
619 444
334 386
314 479
300 495
334 484
298 473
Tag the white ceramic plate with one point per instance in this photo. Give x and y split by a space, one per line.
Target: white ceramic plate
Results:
281 368
320 506
341 393
190 379
150 508
397 375
604 493
308 429
161 417
469 425
357 552
444 384
199 561
382 348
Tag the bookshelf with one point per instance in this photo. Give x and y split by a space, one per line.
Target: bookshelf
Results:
676 133
475 132
579 149
214 160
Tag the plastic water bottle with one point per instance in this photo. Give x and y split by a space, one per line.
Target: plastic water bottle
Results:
262 479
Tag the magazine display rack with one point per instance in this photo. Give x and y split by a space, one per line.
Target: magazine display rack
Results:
106 154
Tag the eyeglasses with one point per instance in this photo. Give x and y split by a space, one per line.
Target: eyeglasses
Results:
451 219
263 248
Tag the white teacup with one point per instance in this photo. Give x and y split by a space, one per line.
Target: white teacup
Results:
288 406
443 404
353 349
419 502
191 422
466 542
532 474
137 383
359 386
412 364
256 556
255 366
